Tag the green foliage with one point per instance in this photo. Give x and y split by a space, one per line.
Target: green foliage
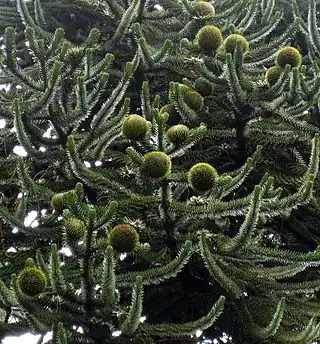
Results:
237 251
188 328
62 200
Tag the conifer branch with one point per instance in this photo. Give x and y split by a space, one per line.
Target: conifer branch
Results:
181 330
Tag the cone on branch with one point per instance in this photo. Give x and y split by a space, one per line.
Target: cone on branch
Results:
231 41
123 238
135 127
156 165
289 56
202 176
32 281
209 38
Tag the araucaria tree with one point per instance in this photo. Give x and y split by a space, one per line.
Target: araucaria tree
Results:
170 155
